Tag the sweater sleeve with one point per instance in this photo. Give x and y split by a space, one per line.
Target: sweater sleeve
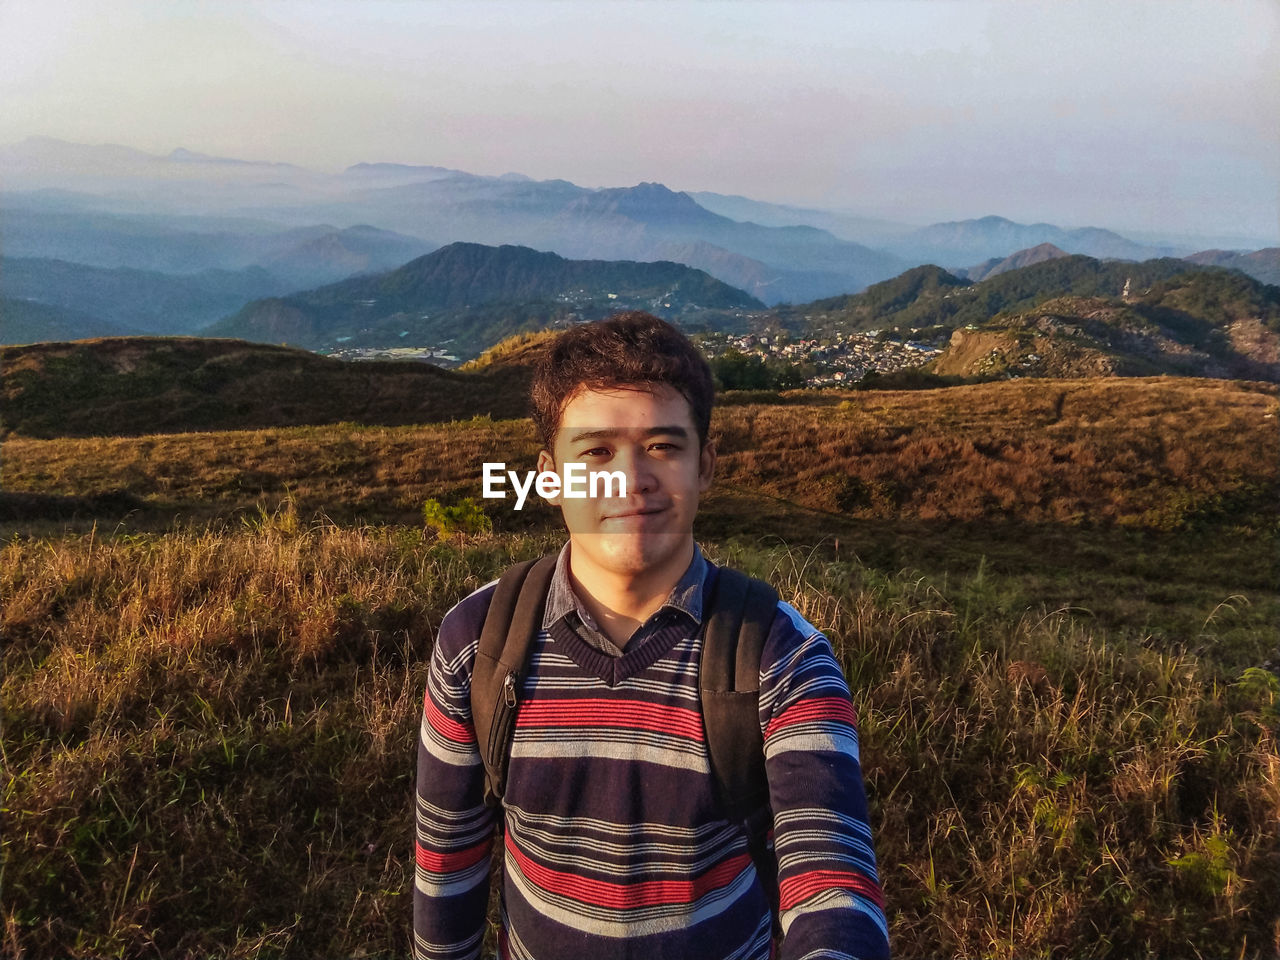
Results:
832 907
453 826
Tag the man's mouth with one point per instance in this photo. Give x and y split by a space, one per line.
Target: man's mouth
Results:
638 512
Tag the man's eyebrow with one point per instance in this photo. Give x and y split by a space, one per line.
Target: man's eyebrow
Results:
672 430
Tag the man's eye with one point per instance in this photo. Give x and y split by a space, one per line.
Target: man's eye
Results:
662 445
596 452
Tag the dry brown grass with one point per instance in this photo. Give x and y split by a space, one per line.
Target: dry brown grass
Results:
381 472
137 385
208 726
1153 453
520 350
209 748
208 736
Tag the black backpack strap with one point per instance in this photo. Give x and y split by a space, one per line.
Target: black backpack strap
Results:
737 622
513 620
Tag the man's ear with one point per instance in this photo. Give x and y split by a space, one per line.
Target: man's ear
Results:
547 463
706 465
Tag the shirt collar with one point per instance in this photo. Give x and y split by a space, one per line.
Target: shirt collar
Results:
686 596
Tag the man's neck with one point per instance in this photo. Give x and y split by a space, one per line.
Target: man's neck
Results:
620 603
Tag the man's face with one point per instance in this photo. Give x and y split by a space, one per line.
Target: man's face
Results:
650 437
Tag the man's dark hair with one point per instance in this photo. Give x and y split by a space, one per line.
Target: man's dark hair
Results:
634 350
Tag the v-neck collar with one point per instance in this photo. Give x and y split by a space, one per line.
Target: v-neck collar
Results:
614 670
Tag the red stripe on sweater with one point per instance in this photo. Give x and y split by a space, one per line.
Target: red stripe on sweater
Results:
626 714
451 862
802 886
446 726
647 893
837 709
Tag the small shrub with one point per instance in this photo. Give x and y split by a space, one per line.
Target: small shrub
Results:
464 517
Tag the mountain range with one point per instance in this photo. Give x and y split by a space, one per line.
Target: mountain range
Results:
274 229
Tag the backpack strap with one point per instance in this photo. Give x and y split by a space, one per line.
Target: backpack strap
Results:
513 620
741 611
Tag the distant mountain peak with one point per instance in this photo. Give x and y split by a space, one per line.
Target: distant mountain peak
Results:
646 202
460 248
646 190
1021 258
183 155
381 169
654 186
1043 248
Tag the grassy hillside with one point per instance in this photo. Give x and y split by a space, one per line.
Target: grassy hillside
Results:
1157 452
521 350
1055 602
128 386
1078 493
1094 336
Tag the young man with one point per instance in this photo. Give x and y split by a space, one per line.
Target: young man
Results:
616 843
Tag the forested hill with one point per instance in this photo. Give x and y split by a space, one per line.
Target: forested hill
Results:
474 295
930 298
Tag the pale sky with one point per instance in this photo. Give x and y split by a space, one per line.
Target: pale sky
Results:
1161 115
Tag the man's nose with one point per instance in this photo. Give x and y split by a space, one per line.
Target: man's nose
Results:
637 467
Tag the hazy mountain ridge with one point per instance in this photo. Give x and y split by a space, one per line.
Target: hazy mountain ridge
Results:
138 300
398 171
871 231
645 222
633 223
189 245
344 253
968 241
184 213
26 322
1261 264
177 300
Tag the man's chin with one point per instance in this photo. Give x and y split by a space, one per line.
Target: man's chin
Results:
632 552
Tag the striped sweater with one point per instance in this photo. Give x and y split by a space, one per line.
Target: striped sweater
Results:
613 844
